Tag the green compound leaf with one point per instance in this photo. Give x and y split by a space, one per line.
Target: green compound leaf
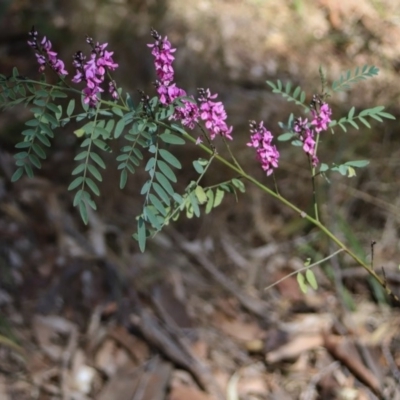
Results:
302 283
117 111
95 172
32 122
310 276
239 184
23 145
17 174
28 170
286 93
162 193
34 160
150 215
358 163
38 150
80 168
92 185
285 137
58 94
210 201
323 167
52 107
43 139
349 78
150 164
195 204
71 107
219 196
171 139
123 179
75 183
83 212
53 121
145 187
119 128
78 197
141 234
165 183
81 156
157 204
97 159
170 158
198 167
201 195
166 170
101 145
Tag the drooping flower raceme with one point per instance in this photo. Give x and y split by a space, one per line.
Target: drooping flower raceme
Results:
321 116
214 115
167 90
93 71
261 140
45 54
306 135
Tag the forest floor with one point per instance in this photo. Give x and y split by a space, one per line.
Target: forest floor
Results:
84 315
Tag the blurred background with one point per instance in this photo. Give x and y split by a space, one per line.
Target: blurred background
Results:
51 265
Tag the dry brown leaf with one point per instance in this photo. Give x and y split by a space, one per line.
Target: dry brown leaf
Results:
200 349
343 350
48 328
308 323
148 383
288 288
137 348
122 385
294 348
110 358
3 390
186 393
241 330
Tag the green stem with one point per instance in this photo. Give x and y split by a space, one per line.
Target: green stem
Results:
297 210
304 269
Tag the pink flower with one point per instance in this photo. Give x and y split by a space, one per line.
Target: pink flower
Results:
45 55
167 90
93 71
321 116
261 140
214 115
162 51
306 135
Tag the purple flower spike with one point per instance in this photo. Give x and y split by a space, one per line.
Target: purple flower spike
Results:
45 55
321 117
162 51
167 91
261 140
214 115
93 71
306 135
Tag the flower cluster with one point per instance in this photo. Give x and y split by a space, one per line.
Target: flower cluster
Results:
321 113
261 140
45 54
93 71
167 90
214 115
306 135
